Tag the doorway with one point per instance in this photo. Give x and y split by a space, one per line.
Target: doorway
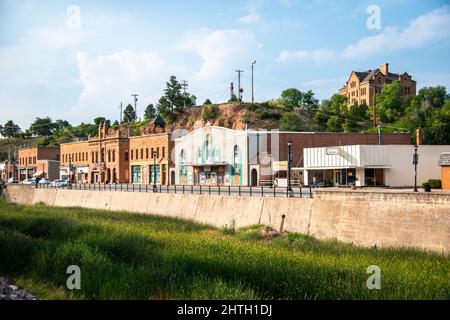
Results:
254 178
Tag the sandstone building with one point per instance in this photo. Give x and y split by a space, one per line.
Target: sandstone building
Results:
362 87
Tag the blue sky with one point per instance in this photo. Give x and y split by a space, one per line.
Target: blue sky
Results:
79 59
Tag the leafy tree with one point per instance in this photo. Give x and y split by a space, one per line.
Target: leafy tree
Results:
389 102
291 98
189 100
308 100
60 125
150 112
101 120
42 127
207 101
9 129
437 130
116 123
331 115
129 114
357 118
290 121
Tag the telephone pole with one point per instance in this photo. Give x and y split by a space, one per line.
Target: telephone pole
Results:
253 93
135 103
239 71
184 85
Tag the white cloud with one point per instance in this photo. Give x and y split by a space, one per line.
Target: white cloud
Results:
221 51
424 30
109 79
249 19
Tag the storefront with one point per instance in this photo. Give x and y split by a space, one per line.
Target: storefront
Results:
212 156
370 165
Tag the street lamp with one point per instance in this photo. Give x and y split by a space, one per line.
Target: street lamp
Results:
154 171
271 170
253 94
290 191
415 162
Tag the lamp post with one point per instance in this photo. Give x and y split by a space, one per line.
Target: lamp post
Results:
271 170
415 162
154 171
253 94
290 191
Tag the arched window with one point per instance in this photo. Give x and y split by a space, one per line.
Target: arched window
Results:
207 146
236 160
182 156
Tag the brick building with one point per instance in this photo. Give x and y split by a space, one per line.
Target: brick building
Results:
109 156
150 158
75 162
268 150
38 162
8 170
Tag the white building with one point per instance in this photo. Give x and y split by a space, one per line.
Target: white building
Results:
212 156
371 165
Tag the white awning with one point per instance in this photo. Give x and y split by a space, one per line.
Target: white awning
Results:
38 173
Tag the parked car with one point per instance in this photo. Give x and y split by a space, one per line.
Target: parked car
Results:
59 183
44 181
29 181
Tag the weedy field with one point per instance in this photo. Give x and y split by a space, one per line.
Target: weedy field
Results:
130 256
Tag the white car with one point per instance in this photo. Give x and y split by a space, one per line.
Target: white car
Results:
12 180
44 181
59 183
29 181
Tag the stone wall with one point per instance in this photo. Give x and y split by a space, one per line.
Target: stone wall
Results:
365 218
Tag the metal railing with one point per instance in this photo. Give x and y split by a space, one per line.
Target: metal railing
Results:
252 191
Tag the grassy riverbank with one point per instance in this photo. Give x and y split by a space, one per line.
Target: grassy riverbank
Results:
128 256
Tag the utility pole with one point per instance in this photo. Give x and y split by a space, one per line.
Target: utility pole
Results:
253 93
135 103
120 119
239 71
184 85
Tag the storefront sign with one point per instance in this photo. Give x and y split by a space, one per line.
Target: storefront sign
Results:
332 151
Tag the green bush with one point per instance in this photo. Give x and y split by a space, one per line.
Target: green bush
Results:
267 115
433 183
210 111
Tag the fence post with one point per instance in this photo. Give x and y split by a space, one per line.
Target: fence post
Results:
175 188
274 191
229 190
209 190
200 189
250 191
239 191
219 190
192 189
262 191
300 191
183 188
310 192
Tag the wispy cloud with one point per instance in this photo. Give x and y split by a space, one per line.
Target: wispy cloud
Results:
249 19
429 28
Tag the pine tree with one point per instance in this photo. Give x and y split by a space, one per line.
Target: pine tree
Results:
129 114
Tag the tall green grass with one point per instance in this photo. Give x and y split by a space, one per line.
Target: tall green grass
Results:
129 256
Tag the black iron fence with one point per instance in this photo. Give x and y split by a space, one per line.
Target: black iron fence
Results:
259 191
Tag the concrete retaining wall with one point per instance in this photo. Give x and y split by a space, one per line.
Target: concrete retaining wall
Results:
384 219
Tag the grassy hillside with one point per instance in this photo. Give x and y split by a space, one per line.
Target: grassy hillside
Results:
128 256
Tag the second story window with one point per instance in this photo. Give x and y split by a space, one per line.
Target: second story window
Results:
126 155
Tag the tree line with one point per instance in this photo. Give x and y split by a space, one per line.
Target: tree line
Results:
294 110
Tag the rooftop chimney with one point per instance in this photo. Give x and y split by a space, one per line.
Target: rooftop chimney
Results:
419 137
384 68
